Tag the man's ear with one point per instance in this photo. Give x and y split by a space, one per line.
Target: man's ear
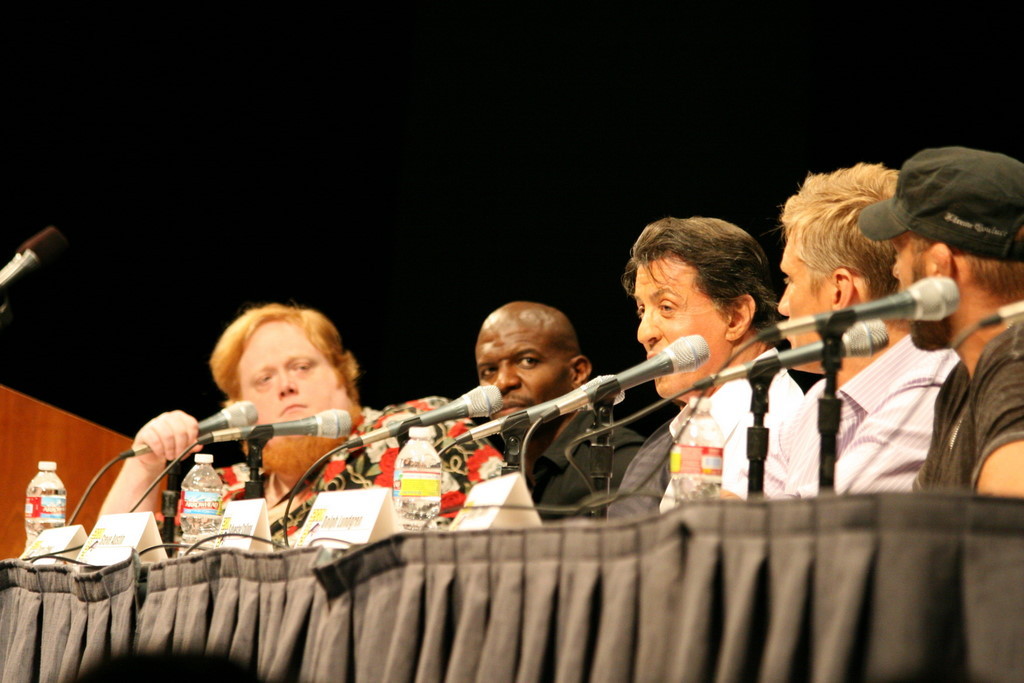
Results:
741 318
941 260
850 288
581 369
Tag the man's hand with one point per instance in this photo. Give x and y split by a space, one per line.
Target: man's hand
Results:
167 435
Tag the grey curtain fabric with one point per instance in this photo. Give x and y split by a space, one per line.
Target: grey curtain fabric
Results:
57 622
887 587
876 588
260 610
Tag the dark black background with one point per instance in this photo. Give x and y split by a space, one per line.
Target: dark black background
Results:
407 169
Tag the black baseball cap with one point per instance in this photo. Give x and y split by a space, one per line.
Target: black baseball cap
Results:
966 198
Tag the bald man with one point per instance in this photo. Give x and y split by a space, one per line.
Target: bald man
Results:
530 352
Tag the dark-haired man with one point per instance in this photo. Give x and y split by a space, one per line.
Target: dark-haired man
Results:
959 213
531 353
701 276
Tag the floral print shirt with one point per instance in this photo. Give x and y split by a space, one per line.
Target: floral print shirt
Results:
374 465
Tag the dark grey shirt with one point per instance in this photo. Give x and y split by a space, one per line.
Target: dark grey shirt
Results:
975 416
647 479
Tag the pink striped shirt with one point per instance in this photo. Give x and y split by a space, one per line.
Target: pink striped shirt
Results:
884 431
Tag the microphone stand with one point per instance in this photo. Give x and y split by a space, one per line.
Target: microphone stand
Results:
254 461
760 379
829 409
513 431
5 312
601 453
169 502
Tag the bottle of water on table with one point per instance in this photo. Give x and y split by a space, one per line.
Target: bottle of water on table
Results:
201 494
417 480
45 501
696 457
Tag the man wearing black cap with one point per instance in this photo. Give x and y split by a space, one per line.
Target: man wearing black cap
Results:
959 213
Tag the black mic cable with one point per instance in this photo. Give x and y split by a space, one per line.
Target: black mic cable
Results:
1009 314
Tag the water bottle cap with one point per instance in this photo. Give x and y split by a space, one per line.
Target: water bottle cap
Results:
421 433
204 458
47 466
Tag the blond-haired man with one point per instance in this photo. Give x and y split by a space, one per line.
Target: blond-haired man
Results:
886 414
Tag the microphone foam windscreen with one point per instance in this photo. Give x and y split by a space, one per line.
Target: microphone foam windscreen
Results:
688 353
865 338
936 298
241 414
334 424
46 244
483 401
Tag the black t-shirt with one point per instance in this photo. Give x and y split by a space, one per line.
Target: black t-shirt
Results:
975 416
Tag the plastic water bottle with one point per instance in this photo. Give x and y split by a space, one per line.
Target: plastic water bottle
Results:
45 501
696 457
201 493
417 480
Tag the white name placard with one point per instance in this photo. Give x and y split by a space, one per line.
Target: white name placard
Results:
340 519
501 503
115 536
52 541
245 517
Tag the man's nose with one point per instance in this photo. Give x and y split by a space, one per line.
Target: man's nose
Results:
647 332
287 387
784 303
507 378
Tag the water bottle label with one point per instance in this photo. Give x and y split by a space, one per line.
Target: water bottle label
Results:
700 460
201 503
419 484
45 507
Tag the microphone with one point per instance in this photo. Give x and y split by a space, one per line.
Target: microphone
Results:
480 401
932 298
685 354
41 249
861 340
239 414
330 424
1010 313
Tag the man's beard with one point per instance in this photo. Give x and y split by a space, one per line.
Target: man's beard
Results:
929 335
290 457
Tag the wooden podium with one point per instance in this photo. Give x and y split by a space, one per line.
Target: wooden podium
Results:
31 431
